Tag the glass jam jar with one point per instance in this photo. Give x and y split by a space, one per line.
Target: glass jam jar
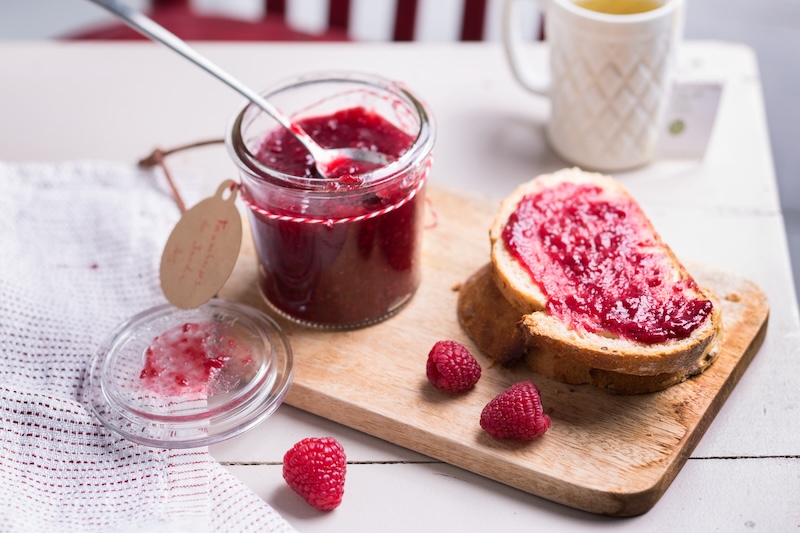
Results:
342 251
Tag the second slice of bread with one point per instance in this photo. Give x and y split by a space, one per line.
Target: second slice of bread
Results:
604 350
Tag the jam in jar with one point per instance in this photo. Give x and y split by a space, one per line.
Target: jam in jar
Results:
342 250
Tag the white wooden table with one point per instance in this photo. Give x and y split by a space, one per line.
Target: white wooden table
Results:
118 101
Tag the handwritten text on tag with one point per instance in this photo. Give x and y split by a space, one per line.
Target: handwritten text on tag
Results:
202 249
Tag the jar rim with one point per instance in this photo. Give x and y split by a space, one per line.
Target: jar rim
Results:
417 152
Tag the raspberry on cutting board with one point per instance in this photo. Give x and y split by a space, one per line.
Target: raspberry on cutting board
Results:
315 469
516 413
451 368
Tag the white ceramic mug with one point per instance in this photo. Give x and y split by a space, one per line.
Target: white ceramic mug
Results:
609 79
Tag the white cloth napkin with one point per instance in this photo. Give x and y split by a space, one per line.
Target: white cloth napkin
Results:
80 245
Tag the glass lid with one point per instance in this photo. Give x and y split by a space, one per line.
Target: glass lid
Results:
175 378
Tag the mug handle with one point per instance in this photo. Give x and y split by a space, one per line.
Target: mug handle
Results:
532 79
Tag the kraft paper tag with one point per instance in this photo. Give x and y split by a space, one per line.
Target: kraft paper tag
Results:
689 120
202 249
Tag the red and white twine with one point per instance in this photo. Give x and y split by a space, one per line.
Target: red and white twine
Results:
331 221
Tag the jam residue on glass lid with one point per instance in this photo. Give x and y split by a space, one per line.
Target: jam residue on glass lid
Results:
195 358
599 271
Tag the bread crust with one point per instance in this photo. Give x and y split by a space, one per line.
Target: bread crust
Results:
621 355
601 351
493 324
489 320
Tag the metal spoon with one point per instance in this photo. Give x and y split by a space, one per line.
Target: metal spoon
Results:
323 157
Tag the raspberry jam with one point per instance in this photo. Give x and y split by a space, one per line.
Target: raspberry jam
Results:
587 253
348 271
348 128
193 358
340 251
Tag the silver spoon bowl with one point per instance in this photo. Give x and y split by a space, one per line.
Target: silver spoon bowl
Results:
324 158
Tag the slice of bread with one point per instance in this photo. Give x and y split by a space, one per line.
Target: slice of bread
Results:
636 276
489 320
493 324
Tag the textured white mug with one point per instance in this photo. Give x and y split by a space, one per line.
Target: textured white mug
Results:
609 80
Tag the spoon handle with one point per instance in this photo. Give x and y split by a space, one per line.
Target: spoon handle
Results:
156 32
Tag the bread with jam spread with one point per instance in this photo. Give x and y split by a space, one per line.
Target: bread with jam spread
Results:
574 253
492 323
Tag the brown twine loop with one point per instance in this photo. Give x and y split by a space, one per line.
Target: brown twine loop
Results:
157 158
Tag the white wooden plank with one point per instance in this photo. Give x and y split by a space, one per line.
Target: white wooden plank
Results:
242 9
438 20
431 498
307 15
371 20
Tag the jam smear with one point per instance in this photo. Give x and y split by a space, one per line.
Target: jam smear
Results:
347 272
598 270
190 359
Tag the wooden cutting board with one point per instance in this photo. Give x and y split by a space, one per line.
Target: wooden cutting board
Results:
613 455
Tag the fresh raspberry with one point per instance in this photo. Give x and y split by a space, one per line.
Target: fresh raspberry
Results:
516 413
314 468
451 367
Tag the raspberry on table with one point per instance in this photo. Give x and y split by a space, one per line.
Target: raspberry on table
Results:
516 413
451 368
315 469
